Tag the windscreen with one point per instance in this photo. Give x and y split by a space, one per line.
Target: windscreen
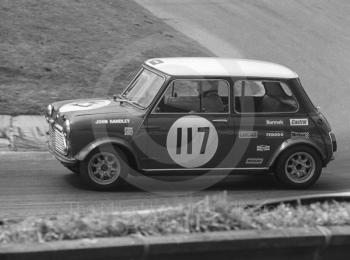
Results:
145 88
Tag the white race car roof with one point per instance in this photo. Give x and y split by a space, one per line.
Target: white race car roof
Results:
191 66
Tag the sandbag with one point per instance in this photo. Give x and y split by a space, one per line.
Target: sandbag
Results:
4 144
5 122
28 133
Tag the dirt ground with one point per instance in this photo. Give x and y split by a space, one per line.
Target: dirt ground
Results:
65 49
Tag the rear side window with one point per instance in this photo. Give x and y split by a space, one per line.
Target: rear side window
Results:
263 96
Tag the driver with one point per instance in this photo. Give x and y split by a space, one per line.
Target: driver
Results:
209 100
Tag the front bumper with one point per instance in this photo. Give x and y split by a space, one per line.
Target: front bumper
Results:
64 159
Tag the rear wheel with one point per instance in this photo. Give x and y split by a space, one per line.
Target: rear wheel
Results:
104 168
299 167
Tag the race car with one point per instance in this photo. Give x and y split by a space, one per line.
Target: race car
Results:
194 115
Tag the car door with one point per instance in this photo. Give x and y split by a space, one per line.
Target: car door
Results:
263 109
190 127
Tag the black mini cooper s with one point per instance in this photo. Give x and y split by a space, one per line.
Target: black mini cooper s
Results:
194 115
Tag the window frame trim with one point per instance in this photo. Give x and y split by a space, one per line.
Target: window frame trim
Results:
132 82
262 113
153 112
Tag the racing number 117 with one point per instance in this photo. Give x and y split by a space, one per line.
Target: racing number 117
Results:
204 130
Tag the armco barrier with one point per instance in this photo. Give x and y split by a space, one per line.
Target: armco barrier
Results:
314 243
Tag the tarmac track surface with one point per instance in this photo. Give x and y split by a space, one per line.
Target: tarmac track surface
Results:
311 37
39 185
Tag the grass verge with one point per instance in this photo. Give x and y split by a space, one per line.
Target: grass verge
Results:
68 49
210 214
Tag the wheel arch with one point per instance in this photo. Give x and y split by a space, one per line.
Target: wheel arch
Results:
116 142
292 143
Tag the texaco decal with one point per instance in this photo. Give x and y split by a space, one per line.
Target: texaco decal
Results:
275 134
192 141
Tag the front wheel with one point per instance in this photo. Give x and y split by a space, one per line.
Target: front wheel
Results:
299 167
104 168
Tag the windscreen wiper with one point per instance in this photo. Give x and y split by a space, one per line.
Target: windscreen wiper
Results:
122 99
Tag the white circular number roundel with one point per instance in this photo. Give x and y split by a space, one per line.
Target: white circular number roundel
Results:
192 141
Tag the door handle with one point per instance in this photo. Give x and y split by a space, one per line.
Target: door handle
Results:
223 120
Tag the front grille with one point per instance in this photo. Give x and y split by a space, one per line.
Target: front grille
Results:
57 140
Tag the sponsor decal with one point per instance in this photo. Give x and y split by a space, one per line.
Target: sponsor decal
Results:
119 121
275 134
300 135
192 141
248 134
84 105
112 121
255 161
128 131
274 122
262 148
155 62
299 121
101 122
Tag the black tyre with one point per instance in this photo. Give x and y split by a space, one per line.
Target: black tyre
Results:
299 167
104 168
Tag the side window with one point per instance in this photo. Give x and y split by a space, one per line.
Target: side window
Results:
195 96
263 96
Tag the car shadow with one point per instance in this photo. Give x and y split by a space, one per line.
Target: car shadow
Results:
230 183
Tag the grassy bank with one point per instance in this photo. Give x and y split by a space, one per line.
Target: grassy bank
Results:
63 49
210 214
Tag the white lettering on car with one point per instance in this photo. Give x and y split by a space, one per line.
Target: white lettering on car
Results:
101 122
274 122
275 134
128 131
192 141
254 161
262 148
299 122
248 134
119 121
156 62
300 135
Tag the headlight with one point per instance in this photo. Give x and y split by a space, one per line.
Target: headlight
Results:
67 126
49 110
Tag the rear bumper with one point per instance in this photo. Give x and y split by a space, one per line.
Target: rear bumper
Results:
333 141
63 159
